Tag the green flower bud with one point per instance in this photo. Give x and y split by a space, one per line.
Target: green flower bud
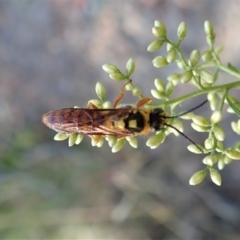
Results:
107 104
155 45
186 76
214 104
171 55
233 154
182 30
209 143
154 141
180 65
209 160
72 139
130 67
199 128
207 56
218 49
201 121
159 84
95 102
216 117
207 76
215 176
194 149
118 76
159 32
194 57
198 177
169 46
136 91
132 141
219 133
119 145
174 77
100 91
79 138
177 124
188 116
235 128
60 136
100 142
159 61
112 140
208 28
157 94
227 160
219 147
159 24
221 164
109 68
169 89
211 95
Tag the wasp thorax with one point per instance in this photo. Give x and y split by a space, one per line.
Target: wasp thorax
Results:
157 119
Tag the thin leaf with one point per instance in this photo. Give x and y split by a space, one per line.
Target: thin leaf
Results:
233 106
234 69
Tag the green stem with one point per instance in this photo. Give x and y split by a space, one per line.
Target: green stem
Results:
228 70
227 86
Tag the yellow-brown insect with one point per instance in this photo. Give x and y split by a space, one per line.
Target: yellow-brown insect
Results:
120 122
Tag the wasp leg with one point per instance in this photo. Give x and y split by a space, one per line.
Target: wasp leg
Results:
121 95
143 101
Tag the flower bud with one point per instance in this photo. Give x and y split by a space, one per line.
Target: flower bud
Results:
100 91
171 55
132 141
216 117
159 61
198 177
130 67
207 56
219 133
194 149
186 76
208 144
119 145
72 139
207 76
107 104
215 176
199 128
182 30
221 164
233 154
201 121
154 141
60 136
194 57
208 28
79 138
109 68
159 84
155 45
118 76
136 91
157 94
169 89
159 32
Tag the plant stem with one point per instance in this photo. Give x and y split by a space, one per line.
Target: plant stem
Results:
227 86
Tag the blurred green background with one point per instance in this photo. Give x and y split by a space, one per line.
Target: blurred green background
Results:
51 53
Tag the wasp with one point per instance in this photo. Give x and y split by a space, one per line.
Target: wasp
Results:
120 122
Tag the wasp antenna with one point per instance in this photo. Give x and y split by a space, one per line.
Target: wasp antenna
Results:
198 106
189 139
